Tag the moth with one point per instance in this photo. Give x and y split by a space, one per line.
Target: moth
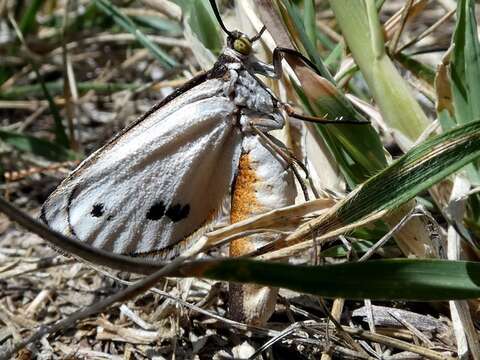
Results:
162 182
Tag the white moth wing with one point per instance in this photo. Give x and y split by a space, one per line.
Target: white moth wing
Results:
159 182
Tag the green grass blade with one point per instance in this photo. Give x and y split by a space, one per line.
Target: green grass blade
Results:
310 21
363 34
465 72
309 46
60 133
204 25
357 149
416 171
172 28
398 279
126 23
27 22
40 147
422 71
61 137
57 88
465 66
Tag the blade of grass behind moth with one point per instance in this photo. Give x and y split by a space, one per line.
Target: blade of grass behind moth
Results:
290 11
357 149
358 21
420 168
310 21
126 23
363 34
323 99
204 25
60 132
202 32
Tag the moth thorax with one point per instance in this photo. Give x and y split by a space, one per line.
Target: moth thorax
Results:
243 45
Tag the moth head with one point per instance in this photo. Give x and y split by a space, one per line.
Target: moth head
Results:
240 42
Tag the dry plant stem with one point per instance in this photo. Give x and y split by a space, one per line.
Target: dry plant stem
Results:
346 336
271 219
403 21
371 325
127 294
32 118
284 333
464 329
327 30
27 105
391 24
165 7
70 86
388 235
337 309
428 31
296 242
398 344
6 274
413 329
13 79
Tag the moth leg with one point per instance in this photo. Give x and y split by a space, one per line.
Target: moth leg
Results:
304 168
274 71
290 160
317 119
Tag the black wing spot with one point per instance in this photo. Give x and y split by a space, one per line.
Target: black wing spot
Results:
178 212
97 210
156 211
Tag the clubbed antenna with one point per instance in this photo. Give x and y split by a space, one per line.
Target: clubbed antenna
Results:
219 19
256 37
224 28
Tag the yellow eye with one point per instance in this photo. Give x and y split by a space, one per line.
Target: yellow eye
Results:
243 45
